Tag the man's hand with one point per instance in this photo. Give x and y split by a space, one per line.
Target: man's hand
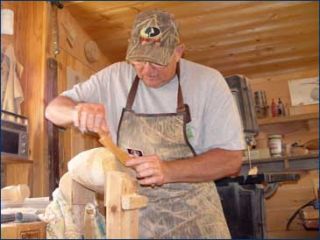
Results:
151 170
90 117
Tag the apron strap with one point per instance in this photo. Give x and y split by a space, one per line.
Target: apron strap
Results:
181 107
132 93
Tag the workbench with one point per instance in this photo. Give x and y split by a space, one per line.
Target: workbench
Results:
121 201
29 230
283 164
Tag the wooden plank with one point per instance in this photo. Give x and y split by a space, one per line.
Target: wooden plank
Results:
265 79
133 201
293 234
276 220
9 231
23 230
8 158
120 222
238 24
114 186
270 67
96 11
81 195
255 34
30 45
31 230
287 199
67 24
268 48
130 218
250 57
19 173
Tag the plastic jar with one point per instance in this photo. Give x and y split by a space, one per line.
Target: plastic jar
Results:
275 145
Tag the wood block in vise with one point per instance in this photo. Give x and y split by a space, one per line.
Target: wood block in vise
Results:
74 192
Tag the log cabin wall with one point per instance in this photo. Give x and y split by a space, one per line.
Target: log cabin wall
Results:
276 86
268 42
289 196
72 60
273 77
32 43
30 27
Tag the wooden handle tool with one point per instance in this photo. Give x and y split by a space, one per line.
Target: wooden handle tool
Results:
106 141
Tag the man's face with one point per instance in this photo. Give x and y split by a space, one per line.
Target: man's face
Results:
154 75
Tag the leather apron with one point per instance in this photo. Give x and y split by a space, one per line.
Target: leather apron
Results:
175 210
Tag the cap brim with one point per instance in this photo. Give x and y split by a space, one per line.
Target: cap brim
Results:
150 53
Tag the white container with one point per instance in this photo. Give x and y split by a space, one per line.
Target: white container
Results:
275 145
7 18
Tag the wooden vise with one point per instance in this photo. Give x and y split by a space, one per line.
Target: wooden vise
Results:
120 199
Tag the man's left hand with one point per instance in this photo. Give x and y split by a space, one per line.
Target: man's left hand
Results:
150 169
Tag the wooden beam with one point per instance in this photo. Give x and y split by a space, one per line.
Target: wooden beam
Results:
52 130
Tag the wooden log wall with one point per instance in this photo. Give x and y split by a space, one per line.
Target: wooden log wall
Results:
29 42
32 44
277 86
287 199
289 196
31 30
72 59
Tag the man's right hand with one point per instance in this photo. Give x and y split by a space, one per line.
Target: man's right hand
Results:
63 111
90 117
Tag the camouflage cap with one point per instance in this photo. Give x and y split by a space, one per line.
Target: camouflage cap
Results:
154 37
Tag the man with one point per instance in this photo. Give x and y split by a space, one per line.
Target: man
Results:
178 117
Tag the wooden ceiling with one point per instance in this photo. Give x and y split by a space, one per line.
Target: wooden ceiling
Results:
244 37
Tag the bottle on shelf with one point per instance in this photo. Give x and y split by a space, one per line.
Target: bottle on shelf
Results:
280 107
274 110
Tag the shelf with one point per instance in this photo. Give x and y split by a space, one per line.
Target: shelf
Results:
288 124
7 158
287 119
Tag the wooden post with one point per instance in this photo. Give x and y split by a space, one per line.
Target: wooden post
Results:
122 206
52 130
78 196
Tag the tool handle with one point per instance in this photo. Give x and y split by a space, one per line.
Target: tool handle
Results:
106 141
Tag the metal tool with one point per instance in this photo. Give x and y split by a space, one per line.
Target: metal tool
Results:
26 217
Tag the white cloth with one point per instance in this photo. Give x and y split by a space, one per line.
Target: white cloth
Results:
215 118
11 90
61 220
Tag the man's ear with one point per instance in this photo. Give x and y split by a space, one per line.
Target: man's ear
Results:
179 51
